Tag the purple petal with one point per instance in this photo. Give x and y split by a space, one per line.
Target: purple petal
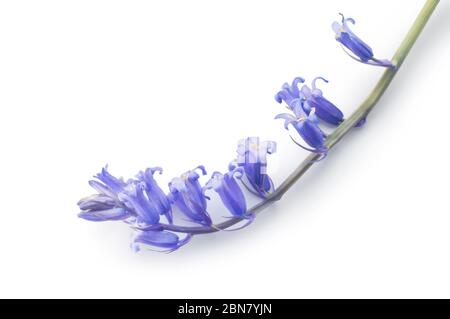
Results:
288 119
311 134
325 110
154 193
284 95
116 184
135 199
229 191
160 239
96 202
102 189
187 195
105 215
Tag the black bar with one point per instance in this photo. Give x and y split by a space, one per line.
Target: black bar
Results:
222 308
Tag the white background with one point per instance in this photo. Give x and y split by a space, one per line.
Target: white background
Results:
177 83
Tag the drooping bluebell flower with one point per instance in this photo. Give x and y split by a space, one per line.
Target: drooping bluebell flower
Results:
186 193
109 185
155 193
308 106
159 238
105 205
134 197
101 215
97 202
229 191
349 40
306 124
324 109
252 157
307 128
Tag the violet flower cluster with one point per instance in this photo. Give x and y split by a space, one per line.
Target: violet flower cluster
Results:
154 213
141 203
309 107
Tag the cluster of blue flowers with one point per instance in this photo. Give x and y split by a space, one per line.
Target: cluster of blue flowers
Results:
308 105
142 203
151 212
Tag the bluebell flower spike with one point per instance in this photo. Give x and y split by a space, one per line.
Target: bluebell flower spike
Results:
360 51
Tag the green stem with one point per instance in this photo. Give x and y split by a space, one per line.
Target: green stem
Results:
361 112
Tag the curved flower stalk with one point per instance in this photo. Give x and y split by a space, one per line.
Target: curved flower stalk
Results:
140 202
362 52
